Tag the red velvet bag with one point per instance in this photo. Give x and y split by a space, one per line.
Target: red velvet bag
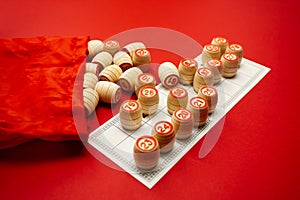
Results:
38 92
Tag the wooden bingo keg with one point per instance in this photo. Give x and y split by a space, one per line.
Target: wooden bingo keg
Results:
146 152
168 74
163 131
177 98
199 108
149 99
183 122
187 69
130 114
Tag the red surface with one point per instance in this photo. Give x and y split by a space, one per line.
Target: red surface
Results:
257 155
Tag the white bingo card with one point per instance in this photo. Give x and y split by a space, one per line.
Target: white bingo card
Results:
117 144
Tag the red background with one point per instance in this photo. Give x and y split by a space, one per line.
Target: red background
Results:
257 155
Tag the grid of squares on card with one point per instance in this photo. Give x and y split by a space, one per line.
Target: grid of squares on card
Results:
118 138
229 89
122 140
113 139
117 143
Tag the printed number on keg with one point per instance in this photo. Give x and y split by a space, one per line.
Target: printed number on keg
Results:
130 106
212 48
205 72
145 78
235 47
146 144
172 80
148 92
178 92
208 91
111 43
182 114
214 63
141 52
189 63
221 40
198 102
230 56
163 128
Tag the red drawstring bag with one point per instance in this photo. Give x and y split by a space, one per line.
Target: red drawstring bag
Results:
38 91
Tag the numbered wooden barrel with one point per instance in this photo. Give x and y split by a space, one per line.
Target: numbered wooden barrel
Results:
210 51
130 114
143 80
187 69
237 49
230 64
141 58
183 122
111 46
168 74
131 47
199 107
203 76
216 66
163 131
146 152
221 42
211 95
149 99
177 98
